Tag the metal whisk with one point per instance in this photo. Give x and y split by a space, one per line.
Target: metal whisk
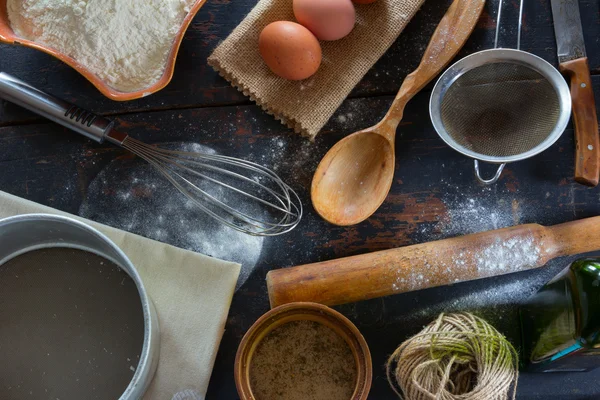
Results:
240 194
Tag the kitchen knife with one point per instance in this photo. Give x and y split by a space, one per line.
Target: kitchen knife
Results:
573 63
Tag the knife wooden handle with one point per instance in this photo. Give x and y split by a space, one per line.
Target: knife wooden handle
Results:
427 265
587 145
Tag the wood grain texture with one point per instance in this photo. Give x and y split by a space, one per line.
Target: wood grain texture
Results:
587 141
430 197
427 265
195 84
48 164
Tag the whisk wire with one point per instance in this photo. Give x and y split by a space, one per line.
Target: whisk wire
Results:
282 200
233 174
199 204
175 165
155 161
187 171
151 160
231 211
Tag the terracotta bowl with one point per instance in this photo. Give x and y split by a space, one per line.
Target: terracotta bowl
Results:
8 36
296 312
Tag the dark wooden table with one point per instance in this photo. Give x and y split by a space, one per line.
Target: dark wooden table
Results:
435 194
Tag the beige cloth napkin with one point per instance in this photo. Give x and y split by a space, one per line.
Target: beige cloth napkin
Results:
191 292
307 105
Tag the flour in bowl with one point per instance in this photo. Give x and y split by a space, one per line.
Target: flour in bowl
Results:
126 43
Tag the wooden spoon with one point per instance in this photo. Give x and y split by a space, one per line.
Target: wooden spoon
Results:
355 176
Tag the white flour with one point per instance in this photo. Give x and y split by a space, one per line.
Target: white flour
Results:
500 257
511 255
125 42
489 208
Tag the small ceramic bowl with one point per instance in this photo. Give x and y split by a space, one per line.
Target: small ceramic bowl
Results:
8 36
298 312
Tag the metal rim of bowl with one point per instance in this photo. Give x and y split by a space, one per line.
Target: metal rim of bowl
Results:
150 350
490 56
303 311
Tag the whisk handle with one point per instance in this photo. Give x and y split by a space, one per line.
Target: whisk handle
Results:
62 112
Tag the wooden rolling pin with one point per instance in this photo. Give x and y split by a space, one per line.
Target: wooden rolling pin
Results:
427 265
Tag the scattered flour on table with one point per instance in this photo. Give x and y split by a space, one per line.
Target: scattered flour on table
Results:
295 161
494 300
489 209
131 195
125 43
188 395
472 215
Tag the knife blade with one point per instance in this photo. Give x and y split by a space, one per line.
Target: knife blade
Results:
568 30
573 63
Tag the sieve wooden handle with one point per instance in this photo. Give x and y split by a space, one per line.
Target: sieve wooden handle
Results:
587 142
432 264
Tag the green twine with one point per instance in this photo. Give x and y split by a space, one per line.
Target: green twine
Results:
456 357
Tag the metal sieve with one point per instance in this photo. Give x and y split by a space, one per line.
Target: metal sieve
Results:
500 105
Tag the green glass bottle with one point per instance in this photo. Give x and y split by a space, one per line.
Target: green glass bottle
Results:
561 322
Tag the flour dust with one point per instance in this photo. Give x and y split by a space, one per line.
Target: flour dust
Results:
493 301
131 195
126 44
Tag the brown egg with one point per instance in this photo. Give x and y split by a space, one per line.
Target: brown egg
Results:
290 50
364 1
327 19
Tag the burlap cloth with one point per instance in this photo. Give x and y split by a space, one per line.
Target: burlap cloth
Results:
191 293
307 105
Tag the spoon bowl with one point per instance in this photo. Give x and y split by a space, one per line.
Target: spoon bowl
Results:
354 178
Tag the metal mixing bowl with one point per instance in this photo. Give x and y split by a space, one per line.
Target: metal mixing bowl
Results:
25 233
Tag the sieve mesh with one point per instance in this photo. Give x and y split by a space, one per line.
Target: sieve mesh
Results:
500 109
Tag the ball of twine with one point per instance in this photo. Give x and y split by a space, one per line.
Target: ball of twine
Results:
456 357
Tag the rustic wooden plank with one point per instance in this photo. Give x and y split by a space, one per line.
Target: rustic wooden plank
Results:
435 196
197 85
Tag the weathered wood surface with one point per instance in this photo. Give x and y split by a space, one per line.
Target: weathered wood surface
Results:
434 195
195 84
